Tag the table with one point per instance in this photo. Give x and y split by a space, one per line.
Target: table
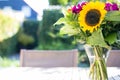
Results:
57 73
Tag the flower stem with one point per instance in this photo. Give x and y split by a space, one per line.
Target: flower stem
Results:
98 70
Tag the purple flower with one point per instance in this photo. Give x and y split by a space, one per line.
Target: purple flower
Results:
76 9
83 3
115 6
111 7
108 6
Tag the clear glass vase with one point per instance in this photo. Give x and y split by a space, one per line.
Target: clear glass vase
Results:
97 57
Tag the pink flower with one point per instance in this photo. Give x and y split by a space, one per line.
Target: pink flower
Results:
115 6
76 9
108 6
111 6
83 3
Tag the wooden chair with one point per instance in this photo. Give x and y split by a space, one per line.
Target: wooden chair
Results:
49 58
114 58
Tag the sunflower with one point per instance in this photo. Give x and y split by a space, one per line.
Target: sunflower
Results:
91 16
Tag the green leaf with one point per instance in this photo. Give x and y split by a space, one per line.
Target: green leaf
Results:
113 16
113 13
97 39
60 21
111 38
70 30
68 19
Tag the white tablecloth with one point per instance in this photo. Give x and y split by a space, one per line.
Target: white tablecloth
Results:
58 73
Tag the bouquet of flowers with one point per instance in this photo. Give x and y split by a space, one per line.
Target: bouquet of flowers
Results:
95 23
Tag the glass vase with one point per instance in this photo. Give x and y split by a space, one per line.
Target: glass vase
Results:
97 57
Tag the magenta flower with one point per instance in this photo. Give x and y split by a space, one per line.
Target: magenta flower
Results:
76 9
115 6
84 3
108 6
111 7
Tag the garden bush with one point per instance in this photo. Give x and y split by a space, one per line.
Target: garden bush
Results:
29 34
62 2
50 16
58 2
24 40
55 45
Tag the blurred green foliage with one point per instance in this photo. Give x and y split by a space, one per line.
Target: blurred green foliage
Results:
62 2
113 0
49 37
8 34
25 39
6 62
28 35
31 28
8 27
55 45
50 16
58 2
8 46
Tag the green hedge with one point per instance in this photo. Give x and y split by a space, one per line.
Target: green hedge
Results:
62 2
25 39
28 36
31 28
8 46
55 45
58 2
50 16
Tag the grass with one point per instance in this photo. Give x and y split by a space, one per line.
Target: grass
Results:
6 62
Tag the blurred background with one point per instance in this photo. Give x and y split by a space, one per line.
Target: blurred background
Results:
28 24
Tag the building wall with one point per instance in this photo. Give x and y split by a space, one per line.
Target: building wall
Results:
20 6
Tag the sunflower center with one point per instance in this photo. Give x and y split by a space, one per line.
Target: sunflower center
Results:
92 17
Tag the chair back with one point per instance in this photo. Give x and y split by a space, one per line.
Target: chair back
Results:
114 58
49 58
